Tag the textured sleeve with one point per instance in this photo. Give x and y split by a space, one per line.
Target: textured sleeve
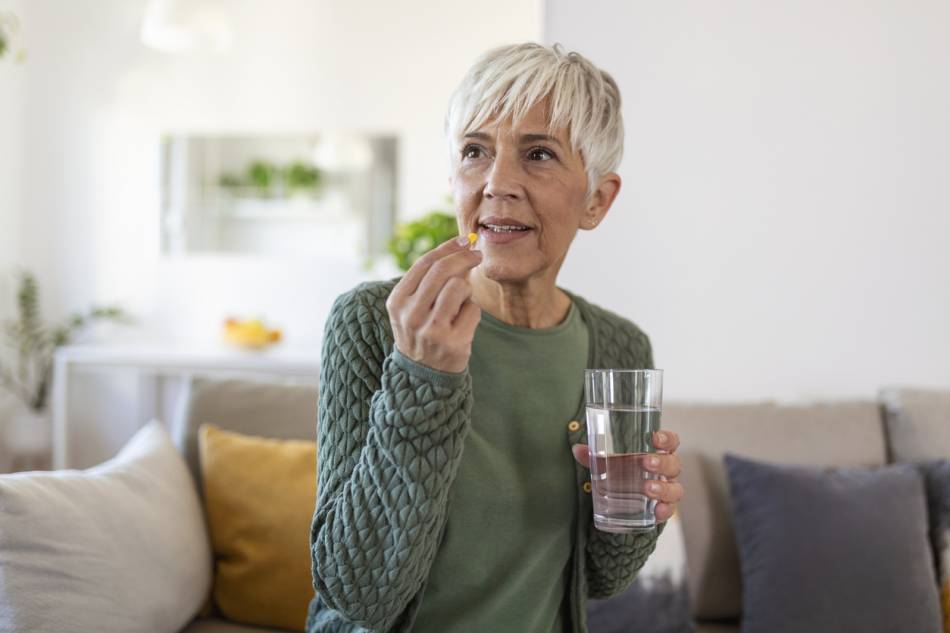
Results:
613 560
390 435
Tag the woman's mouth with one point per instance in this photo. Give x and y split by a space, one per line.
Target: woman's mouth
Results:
499 228
502 231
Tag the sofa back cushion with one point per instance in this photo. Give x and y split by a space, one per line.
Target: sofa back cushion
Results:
918 423
264 408
830 434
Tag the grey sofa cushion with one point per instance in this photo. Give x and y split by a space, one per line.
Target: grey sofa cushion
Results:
840 433
918 423
271 408
831 550
216 625
716 627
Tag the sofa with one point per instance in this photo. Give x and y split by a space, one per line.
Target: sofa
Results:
840 433
866 433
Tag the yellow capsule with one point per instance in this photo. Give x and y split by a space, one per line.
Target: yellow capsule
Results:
472 238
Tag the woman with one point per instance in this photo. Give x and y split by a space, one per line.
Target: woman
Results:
451 398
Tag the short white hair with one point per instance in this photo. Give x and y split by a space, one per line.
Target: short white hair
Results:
509 80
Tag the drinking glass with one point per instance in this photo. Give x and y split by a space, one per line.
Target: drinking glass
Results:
623 411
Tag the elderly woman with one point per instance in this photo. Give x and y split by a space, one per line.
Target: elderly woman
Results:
449 499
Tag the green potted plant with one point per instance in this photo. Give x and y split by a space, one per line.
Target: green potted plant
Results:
262 175
9 25
301 177
413 239
26 358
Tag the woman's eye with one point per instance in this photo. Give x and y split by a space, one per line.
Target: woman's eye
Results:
471 151
540 154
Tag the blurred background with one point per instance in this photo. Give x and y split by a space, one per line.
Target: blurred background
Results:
187 186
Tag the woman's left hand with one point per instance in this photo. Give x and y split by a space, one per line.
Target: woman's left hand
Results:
668 492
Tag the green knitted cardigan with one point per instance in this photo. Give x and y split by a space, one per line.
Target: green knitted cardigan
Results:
390 434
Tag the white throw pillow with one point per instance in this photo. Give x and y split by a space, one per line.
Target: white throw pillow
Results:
119 547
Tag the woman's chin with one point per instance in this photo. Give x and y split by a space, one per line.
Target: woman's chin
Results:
504 272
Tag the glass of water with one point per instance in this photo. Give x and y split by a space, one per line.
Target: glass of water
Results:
623 411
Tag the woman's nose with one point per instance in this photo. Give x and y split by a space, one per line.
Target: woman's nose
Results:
504 179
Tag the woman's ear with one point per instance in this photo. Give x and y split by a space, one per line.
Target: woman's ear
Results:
600 200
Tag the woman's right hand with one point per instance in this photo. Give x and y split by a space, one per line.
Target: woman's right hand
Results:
431 309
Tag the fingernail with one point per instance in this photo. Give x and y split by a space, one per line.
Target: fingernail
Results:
462 240
661 436
654 461
654 487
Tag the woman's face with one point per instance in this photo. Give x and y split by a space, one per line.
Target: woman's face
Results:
523 192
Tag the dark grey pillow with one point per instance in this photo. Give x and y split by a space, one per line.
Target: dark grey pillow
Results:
832 550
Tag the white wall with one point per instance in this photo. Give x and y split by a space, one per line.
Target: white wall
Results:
11 101
97 101
781 231
784 226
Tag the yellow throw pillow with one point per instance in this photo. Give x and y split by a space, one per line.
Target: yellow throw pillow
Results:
259 499
945 602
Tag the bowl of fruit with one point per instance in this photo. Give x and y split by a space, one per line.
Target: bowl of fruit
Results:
250 333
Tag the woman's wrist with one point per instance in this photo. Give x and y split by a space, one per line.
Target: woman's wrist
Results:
449 380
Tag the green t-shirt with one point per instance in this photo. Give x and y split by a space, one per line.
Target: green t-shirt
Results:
503 563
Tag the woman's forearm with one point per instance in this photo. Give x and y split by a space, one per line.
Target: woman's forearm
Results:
613 560
385 470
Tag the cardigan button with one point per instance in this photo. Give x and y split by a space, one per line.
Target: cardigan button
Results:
587 487
573 426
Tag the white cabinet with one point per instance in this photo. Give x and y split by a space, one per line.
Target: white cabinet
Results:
102 394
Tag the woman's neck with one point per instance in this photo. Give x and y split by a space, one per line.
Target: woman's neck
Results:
535 303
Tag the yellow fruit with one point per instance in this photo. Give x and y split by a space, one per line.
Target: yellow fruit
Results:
250 333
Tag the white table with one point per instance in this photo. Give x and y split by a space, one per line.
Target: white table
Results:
154 361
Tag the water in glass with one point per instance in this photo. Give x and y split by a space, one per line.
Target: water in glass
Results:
620 440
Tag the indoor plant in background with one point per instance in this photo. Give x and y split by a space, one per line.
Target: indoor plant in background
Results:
413 239
301 178
264 179
26 363
9 24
